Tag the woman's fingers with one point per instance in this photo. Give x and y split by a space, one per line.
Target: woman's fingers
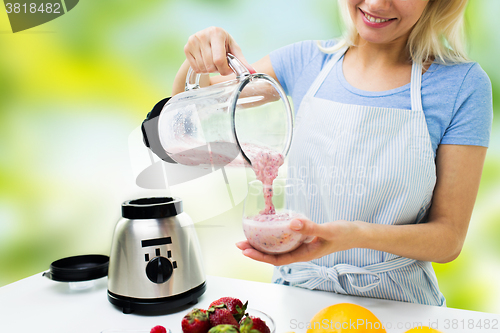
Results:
305 252
242 245
207 57
236 51
307 227
219 58
309 239
201 47
263 257
254 254
189 56
193 54
192 62
206 51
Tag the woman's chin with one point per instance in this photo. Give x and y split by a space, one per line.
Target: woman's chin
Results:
377 38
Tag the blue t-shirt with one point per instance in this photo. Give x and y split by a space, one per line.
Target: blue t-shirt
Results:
457 99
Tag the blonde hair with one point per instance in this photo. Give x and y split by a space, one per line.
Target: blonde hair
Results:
438 35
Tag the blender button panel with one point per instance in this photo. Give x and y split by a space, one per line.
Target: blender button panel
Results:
156 241
174 264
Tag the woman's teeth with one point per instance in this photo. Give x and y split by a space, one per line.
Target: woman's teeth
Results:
374 20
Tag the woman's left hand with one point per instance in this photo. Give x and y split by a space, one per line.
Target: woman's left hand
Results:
327 238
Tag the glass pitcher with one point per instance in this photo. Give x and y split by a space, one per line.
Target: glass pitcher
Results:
216 125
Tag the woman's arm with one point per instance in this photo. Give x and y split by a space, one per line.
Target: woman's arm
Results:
439 240
206 53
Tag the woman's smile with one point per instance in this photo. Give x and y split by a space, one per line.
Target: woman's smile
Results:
385 21
375 21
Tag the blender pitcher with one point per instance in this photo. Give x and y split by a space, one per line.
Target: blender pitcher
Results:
214 126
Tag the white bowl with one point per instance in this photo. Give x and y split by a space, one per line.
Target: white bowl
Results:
265 317
272 237
133 331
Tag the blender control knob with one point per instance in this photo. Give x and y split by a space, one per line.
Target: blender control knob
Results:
159 269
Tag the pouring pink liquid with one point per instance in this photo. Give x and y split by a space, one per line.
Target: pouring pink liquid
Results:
267 231
265 164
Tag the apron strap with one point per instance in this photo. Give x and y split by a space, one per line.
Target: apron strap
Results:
325 71
416 87
416 80
309 275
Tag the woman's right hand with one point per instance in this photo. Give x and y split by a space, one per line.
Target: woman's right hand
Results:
206 51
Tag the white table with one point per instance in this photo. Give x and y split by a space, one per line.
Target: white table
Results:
37 304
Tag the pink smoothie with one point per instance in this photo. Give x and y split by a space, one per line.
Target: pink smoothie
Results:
271 234
265 164
267 232
194 153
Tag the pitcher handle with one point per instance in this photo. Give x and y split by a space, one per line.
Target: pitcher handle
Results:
193 78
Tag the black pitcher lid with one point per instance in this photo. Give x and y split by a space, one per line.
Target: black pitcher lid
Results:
151 208
79 268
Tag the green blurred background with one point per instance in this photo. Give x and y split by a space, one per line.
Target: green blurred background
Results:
74 91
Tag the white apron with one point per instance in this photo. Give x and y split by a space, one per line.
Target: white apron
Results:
370 164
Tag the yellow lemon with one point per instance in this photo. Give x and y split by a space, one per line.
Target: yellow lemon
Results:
345 317
423 329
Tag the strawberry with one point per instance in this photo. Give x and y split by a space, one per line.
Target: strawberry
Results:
234 305
223 329
219 315
196 321
251 324
158 329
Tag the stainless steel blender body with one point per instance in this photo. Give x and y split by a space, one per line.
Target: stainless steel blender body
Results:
155 259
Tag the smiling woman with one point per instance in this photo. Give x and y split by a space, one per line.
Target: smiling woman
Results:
395 95
426 24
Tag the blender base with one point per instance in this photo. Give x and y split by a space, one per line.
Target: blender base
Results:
131 304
